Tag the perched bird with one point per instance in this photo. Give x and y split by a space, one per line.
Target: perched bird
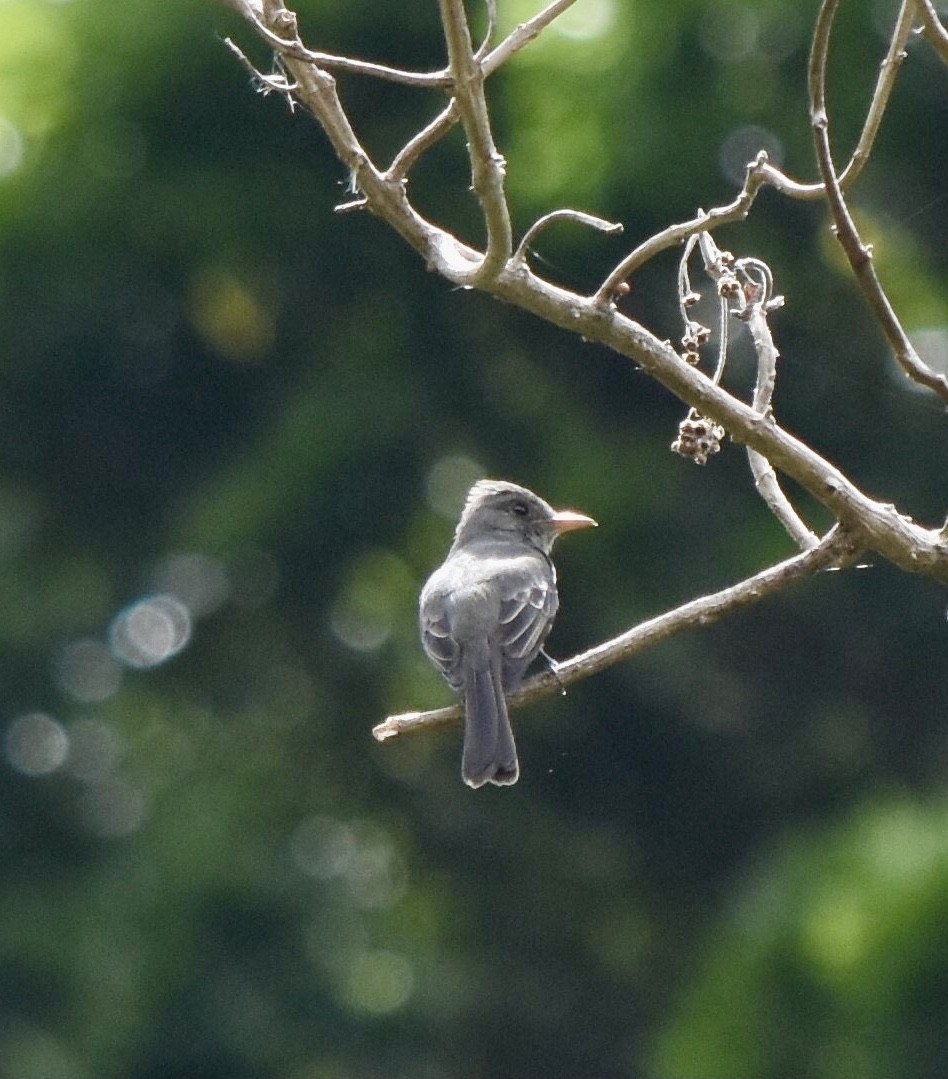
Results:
486 611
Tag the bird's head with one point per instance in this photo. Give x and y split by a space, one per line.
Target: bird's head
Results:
498 509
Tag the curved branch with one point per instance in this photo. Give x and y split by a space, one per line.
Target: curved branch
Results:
484 46
541 223
298 51
423 140
858 253
752 294
888 70
836 549
758 172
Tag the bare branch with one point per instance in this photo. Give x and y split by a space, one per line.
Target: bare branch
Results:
266 84
858 253
748 284
758 171
423 79
484 47
523 35
442 124
424 140
559 215
835 549
893 535
888 70
765 478
487 166
298 51
761 171
882 528
933 29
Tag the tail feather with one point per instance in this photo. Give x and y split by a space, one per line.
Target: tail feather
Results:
490 755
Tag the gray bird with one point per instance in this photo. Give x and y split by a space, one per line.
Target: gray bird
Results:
486 611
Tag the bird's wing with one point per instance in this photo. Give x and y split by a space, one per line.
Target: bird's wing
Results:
526 616
439 643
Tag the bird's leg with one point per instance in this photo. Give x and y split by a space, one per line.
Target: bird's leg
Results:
552 664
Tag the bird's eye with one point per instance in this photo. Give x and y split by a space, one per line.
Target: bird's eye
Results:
519 509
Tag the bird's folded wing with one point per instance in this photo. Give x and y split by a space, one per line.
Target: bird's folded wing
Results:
441 646
525 619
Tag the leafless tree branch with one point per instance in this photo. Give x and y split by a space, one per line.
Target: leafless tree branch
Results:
858 253
934 29
487 166
524 34
748 285
837 548
761 171
507 276
561 215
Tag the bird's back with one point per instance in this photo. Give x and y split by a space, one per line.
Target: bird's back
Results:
485 596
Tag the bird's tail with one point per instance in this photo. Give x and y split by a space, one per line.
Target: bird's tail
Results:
490 755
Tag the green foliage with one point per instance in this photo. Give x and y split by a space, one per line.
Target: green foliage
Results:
832 959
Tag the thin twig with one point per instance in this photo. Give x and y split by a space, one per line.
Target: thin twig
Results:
765 478
484 46
298 51
757 172
386 197
858 253
748 284
559 215
266 84
888 70
523 35
487 166
424 140
761 171
442 124
835 549
933 29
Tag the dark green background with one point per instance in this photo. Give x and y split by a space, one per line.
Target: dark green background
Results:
727 856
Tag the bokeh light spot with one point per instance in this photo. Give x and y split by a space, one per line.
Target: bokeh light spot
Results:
378 982
230 317
198 581
360 856
373 595
150 631
730 32
36 744
586 21
87 671
741 147
112 809
94 750
448 482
